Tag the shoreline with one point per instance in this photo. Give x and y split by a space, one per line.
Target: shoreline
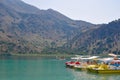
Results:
44 55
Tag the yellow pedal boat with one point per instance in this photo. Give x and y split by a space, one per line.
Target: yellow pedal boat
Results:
108 71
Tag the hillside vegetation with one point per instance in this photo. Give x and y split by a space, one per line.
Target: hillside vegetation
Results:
105 39
27 29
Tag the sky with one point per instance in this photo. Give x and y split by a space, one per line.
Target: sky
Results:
94 11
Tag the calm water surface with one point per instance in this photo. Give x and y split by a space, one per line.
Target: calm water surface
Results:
44 69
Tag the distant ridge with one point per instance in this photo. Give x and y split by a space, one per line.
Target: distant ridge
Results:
105 39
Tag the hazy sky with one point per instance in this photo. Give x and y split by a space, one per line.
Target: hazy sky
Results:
94 11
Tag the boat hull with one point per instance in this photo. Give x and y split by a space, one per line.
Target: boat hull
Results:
80 67
109 71
70 66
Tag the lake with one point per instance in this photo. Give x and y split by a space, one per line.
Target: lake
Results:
37 68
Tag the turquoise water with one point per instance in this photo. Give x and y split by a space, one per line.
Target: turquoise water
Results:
44 69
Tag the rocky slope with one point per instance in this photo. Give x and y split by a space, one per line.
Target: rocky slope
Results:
27 29
105 39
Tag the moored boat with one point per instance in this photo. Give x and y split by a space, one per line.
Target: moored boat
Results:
113 67
74 61
107 71
85 62
71 64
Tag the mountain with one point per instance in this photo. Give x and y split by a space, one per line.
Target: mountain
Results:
19 6
27 29
105 39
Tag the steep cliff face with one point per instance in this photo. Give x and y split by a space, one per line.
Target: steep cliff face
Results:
104 39
27 29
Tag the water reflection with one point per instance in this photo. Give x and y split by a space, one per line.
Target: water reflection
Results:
83 75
